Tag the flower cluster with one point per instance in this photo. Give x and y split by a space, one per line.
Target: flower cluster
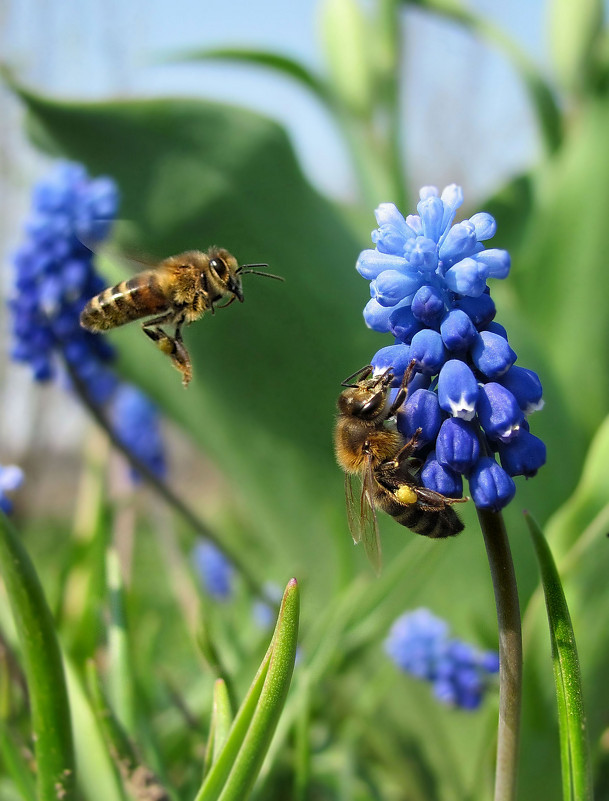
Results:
54 278
420 644
11 478
214 570
428 286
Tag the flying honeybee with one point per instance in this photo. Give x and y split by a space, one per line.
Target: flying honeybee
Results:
369 446
178 291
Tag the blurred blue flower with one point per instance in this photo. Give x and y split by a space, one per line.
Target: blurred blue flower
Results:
54 278
135 419
264 614
11 478
214 570
420 644
429 290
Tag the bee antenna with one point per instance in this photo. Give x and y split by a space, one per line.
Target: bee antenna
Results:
251 268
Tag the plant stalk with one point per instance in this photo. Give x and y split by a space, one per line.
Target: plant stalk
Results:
510 652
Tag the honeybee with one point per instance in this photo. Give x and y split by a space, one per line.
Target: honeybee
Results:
179 290
369 446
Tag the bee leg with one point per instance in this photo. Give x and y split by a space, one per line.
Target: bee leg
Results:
403 390
174 348
360 374
407 449
432 500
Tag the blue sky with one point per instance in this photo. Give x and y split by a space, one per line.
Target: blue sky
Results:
467 116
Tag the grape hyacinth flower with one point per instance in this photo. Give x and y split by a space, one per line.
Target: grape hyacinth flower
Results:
214 570
55 276
11 478
420 644
136 422
428 285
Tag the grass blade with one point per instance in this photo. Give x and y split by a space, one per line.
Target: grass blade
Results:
236 768
577 778
43 666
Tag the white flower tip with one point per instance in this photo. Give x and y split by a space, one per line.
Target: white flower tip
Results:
462 408
535 407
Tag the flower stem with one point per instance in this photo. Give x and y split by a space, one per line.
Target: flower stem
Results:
510 651
163 489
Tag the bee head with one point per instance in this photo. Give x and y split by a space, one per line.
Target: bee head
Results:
367 400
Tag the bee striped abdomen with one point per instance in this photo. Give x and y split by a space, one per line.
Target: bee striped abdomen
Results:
435 525
140 296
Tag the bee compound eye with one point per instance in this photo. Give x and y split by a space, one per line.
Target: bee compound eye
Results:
219 267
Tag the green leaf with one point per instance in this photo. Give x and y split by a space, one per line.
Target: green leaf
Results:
120 678
587 509
52 732
15 765
575 30
277 62
136 776
577 778
221 719
235 770
193 173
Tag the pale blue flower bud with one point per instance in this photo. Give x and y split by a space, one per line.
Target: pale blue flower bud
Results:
427 349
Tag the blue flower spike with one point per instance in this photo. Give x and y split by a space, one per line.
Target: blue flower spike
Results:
430 289
214 570
11 478
420 644
54 277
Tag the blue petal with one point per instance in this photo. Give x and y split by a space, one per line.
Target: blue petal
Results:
440 478
427 349
497 262
480 310
452 198
490 485
431 211
460 242
422 254
525 386
457 445
377 316
467 277
492 355
457 331
484 225
523 456
391 286
428 305
371 263
402 323
421 410
395 358
497 328
458 389
499 413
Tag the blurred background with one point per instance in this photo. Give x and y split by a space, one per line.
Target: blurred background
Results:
510 101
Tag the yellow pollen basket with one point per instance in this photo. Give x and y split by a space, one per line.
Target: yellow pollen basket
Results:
405 495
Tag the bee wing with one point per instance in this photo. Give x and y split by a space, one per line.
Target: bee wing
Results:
369 524
361 515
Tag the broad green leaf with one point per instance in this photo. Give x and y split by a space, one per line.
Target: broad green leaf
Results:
575 30
577 777
276 62
235 770
267 373
50 710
